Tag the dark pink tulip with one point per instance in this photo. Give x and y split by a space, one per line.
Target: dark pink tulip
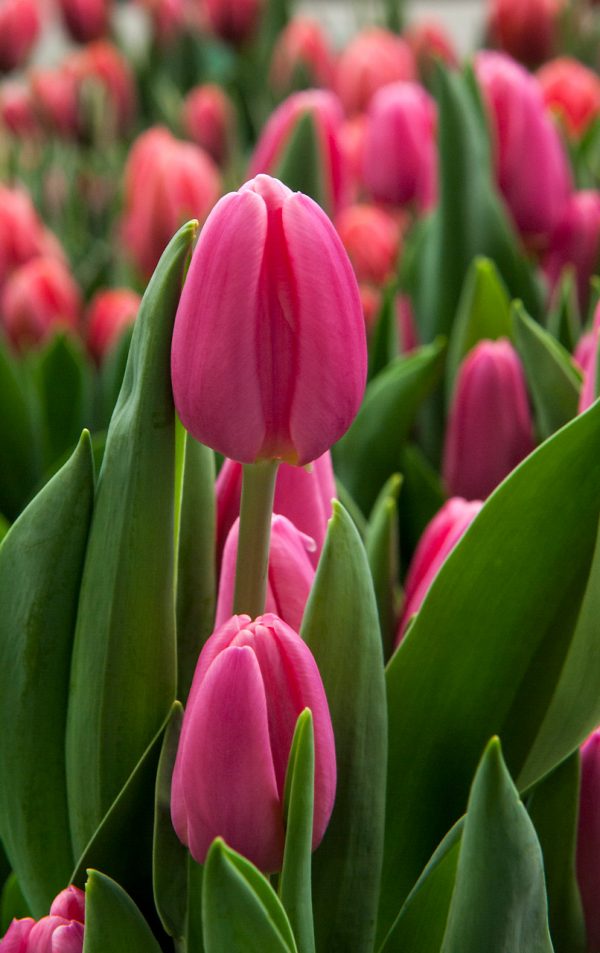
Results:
490 428
69 904
85 20
400 146
526 29
38 298
209 120
252 681
536 191
60 932
23 235
108 315
302 53
588 839
371 60
233 20
576 241
19 29
269 354
572 92
15 938
169 19
437 542
372 238
326 112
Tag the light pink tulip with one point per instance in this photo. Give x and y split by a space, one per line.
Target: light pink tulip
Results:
525 29
576 241
588 839
326 112
209 120
437 542
400 146
537 190
374 58
372 238
302 52
490 428
233 20
19 29
269 354
38 298
110 312
252 681
85 20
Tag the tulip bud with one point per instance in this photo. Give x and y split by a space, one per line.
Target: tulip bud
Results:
372 237
167 182
301 57
269 353
490 427
535 191
526 29
19 29
252 681
233 20
38 298
373 59
23 235
576 241
85 20
400 146
588 839
572 92
439 538
429 43
209 120
108 315
326 112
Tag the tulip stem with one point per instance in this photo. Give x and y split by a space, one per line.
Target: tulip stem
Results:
180 944
258 490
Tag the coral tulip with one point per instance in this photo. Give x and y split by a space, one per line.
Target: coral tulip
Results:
209 120
372 237
526 29
572 92
373 59
19 29
301 55
576 241
108 315
39 297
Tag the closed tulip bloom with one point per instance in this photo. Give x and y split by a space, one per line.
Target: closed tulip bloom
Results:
108 315
23 235
19 30
572 92
209 120
400 146
437 542
326 113
38 298
576 241
536 191
17 935
252 681
233 20
302 55
371 60
588 839
372 238
60 932
526 29
269 354
69 904
85 20
490 428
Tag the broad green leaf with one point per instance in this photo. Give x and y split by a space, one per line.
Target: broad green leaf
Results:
341 627
41 561
553 808
564 319
242 913
20 443
383 547
113 923
483 312
369 453
499 899
422 496
295 877
383 343
170 856
498 648
301 165
553 379
124 661
13 905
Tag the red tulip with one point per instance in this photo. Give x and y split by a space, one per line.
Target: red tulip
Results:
572 92
38 297
19 29
429 43
17 112
108 315
527 29
302 54
85 20
233 20
372 238
373 59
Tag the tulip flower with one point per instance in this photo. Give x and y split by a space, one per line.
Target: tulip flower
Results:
23 235
60 932
233 20
209 120
302 55
439 538
252 681
54 93
371 60
38 298
576 241
429 43
101 63
269 355
372 238
536 191
527 29
572 92
490 428
19 29
588 838
326 112
352 145
108 315
17 113
400 146
85 20
169 19
167 182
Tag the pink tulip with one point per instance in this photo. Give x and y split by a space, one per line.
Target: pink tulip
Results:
101 63
55 96
85 20
588 839
167 182
209 120
252 681
23 235
576 241
526 29
371 60
55 935
169 19
69 904
372 238
60 932
17 113
352 145
269 354
15 939
38 298
400 146
19 29
572 92
490 428
233 20
437 542
108 315
430 43
326 112
536 191
302 53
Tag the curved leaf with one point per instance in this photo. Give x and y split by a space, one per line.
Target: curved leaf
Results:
113 923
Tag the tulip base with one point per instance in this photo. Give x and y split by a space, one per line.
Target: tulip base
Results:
258 489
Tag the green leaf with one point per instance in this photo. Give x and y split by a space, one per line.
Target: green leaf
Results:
369 453
170 856
41 561
383 546
341 627
12 904
242 913
295 878
553 808
553 379
503 644
422 496
301 165
21 459
384 345
499 899
113 923
124 661
564 319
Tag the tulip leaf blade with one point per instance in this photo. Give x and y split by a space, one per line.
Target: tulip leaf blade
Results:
242 913
113 922
41 561
341 627
382 545
499 899
20 437
169 855
384 344
295 877
300 165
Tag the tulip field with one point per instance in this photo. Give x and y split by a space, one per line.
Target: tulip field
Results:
299 479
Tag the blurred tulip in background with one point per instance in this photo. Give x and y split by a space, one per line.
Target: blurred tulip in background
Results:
38 298
374 58
576 241
109 313
302 57
19 30
209 120
572 92
526 29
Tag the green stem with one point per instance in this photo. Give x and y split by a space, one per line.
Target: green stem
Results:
180 944
258 489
